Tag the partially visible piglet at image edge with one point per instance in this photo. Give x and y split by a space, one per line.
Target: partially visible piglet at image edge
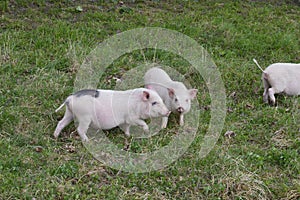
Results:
280 78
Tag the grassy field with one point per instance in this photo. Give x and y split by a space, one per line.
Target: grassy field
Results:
43 43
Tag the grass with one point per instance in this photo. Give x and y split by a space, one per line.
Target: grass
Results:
43 43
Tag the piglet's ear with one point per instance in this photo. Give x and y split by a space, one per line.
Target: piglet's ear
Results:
149 87
171 92
193 93
146 96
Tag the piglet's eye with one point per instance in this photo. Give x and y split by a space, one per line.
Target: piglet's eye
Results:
154 103
176 99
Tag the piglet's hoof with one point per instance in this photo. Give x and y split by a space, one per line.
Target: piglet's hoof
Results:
146 129
126 147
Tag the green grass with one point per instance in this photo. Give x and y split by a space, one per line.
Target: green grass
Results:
43 44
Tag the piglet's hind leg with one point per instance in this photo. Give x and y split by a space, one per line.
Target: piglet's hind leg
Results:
266 96
67 119
266 90
271 92
82 129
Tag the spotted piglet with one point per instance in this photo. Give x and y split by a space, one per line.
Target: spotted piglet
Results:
106 109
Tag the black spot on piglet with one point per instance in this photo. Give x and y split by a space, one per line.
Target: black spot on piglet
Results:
93 93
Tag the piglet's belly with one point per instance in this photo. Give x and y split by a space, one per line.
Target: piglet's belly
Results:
292 91
104 120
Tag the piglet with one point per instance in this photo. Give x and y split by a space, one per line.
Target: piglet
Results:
280 78
174 94
106 109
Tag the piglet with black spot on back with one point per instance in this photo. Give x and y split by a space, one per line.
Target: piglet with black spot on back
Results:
106 109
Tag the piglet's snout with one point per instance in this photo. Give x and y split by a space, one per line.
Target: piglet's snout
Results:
180 109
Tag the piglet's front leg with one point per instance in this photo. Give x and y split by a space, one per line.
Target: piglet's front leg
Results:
164 122
142 123
181 122
126 128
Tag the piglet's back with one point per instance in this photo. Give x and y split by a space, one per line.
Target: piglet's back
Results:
284 77
278 69
156 75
